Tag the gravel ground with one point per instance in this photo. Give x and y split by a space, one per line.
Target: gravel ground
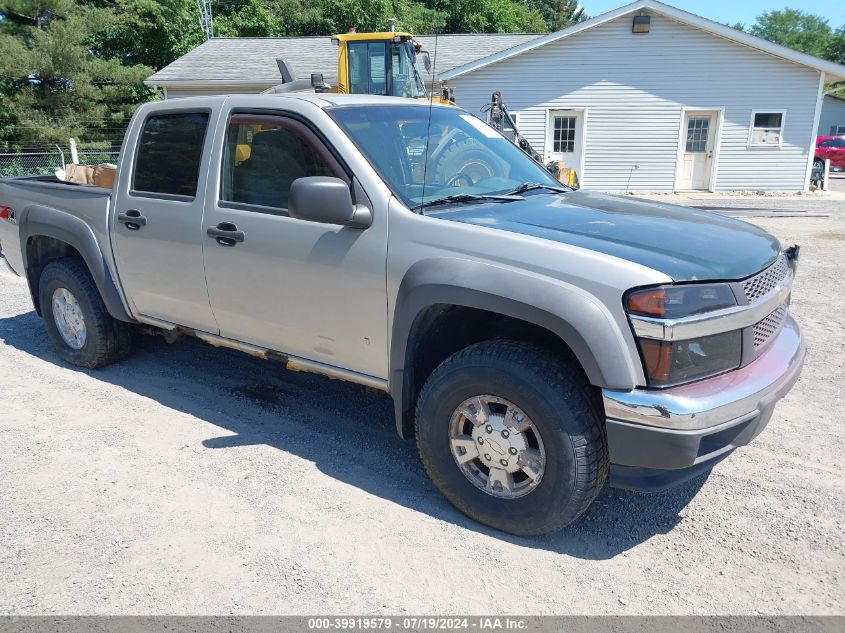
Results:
190 480
837 182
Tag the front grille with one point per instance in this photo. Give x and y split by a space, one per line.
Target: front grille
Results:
762 283
766 328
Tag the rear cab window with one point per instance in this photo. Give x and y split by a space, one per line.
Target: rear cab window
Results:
169 152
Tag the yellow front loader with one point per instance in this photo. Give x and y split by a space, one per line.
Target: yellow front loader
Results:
385 63
381 63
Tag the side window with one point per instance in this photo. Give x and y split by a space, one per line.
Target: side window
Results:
766 129
827 143
839 143
264 154
169 154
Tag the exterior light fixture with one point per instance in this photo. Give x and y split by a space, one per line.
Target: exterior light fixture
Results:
642 24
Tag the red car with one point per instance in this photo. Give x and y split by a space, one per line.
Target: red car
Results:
830 147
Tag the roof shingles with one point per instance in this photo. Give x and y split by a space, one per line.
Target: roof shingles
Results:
252 60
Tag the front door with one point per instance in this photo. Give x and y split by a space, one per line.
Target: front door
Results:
697 146
564 138
158 240
307 289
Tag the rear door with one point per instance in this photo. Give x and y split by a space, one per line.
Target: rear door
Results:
157 222
836 152
823 149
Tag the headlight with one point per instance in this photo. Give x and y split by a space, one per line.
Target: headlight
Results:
673 302
668 363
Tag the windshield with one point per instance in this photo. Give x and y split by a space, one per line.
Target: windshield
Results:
373 71
465 155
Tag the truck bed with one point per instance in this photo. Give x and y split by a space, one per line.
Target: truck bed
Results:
23 193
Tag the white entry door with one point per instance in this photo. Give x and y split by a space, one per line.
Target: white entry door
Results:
565 138
697 146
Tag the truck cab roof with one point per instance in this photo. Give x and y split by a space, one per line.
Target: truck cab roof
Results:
321 100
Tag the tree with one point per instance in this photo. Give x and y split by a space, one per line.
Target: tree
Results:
150 32
837 48
559 14
801 31
491 16
56 83
76 68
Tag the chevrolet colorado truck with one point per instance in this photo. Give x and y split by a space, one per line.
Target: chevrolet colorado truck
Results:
536 340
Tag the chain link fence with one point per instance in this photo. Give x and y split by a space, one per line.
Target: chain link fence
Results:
26 161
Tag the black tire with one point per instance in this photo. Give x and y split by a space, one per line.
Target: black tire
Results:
555 396
465 157
107 339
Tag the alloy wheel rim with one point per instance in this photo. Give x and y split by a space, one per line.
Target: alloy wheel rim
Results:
497 446
68 317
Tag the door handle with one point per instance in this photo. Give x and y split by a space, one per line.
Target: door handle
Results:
132 219
225 233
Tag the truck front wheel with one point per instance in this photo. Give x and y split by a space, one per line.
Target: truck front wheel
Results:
511 436
82 331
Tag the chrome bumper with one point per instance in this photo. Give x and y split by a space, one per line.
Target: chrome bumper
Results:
658 439
722 400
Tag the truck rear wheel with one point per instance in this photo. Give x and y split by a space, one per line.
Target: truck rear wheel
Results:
511 436
82 331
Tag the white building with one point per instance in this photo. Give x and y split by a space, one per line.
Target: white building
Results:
688 104
684 104
832 120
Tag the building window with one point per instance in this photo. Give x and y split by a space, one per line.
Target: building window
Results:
766 129
837 130
564 134
698 129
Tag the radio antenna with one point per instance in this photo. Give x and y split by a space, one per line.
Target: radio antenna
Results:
428 127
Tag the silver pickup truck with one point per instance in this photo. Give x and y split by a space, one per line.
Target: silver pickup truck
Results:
537 341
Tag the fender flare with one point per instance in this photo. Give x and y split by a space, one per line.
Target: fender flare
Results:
575 316
37 220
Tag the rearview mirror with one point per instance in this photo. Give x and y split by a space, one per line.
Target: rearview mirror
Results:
426 61
326 199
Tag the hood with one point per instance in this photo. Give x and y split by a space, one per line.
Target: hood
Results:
685 244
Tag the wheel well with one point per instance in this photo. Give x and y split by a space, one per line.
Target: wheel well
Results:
442 329
40 251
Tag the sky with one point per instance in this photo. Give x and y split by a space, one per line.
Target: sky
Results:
733 11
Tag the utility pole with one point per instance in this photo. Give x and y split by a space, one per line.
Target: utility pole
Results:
206 19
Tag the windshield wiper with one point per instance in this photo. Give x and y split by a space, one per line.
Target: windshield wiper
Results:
467 197
530 186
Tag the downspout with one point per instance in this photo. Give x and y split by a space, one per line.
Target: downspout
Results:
814 132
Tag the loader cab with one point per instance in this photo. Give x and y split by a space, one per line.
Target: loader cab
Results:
379 64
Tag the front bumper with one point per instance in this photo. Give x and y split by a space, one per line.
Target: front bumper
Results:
659 438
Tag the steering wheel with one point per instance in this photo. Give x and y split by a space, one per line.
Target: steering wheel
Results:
460 176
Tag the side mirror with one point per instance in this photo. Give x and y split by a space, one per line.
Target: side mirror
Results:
326 199
426 61
318 84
